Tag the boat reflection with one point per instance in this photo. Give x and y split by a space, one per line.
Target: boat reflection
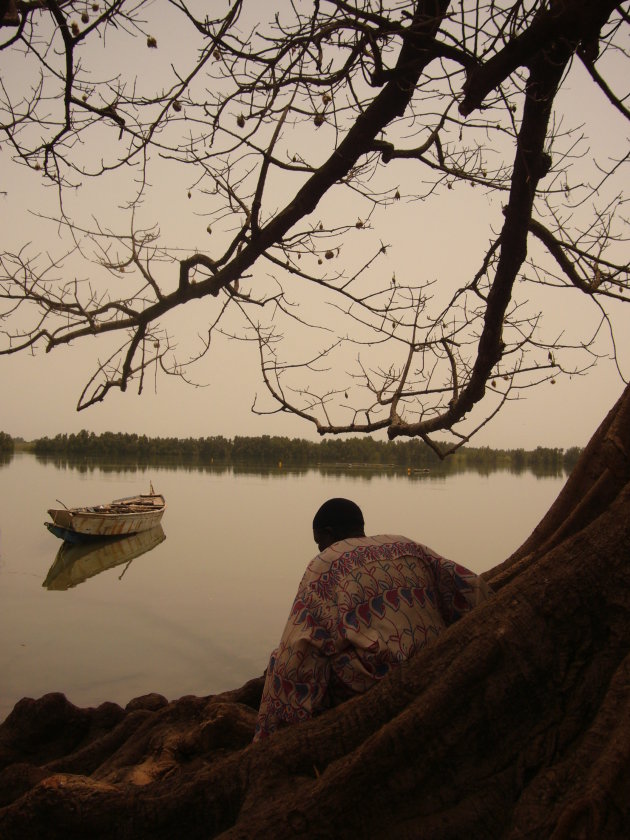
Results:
76 562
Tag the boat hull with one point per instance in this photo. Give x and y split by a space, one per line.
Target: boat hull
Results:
69 536
120 518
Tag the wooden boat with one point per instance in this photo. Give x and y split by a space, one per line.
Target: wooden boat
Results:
119 518
76 563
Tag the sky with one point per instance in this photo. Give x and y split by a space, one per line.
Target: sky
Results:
38 393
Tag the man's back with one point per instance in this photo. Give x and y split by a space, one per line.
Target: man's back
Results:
364 604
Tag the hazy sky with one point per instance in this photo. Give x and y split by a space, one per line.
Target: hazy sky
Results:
39 393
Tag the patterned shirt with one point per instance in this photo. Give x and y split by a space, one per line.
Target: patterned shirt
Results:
364 605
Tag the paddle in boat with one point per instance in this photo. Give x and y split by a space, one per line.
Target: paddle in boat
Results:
119 518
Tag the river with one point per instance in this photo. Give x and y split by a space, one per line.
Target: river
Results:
200 611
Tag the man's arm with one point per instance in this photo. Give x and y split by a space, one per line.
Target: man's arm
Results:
299 669
460 590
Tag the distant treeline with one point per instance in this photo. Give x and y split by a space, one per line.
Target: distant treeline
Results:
6 443
271 450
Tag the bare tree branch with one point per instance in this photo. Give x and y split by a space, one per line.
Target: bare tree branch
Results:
293 139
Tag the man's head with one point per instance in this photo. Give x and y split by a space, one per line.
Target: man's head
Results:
337 519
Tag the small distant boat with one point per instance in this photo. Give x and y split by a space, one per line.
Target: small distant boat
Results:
119 518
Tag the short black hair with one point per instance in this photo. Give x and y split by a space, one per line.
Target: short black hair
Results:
339 515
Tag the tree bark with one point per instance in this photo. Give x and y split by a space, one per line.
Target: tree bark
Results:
515 723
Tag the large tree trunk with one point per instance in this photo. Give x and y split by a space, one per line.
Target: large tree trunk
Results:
514 724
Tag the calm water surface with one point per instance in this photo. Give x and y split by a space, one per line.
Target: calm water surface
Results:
200 612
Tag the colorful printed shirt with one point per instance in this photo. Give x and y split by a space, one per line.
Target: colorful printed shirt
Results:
364 605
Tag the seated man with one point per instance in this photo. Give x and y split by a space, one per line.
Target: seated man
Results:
364 605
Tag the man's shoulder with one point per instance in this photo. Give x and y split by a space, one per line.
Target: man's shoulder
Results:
401 543
357 547
351 544
391 539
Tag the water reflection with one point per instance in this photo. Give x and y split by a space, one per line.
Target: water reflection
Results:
76 562
448 467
